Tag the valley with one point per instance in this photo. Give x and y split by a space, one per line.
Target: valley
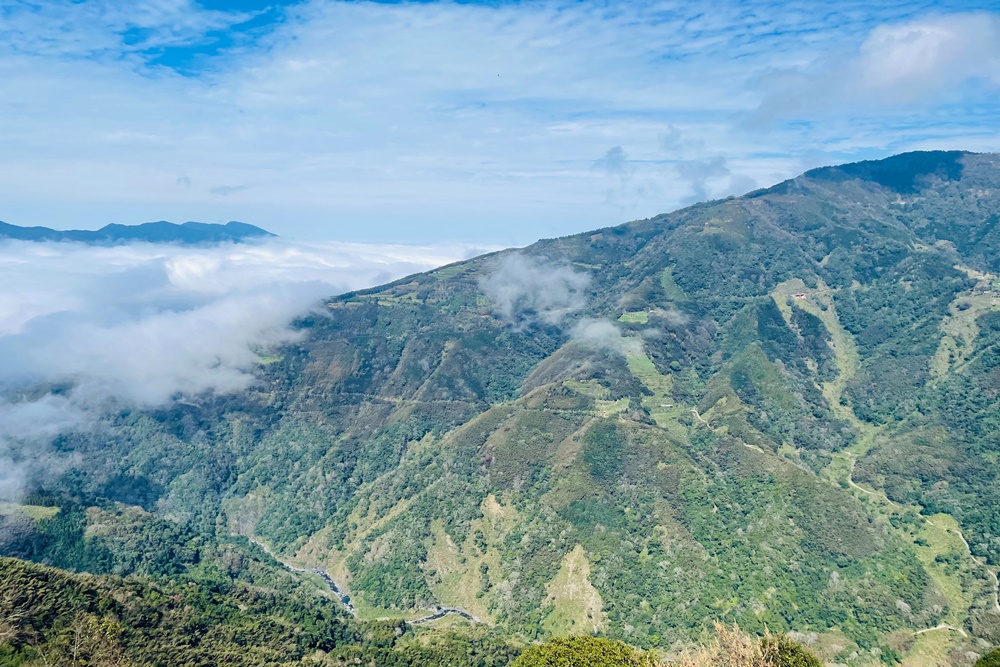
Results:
777 411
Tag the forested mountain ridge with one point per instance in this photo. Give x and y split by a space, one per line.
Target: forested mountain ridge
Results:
634 431
188 233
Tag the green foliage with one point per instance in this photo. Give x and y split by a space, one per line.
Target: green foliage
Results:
991 659
603 451
710 485
209 620
782 651
584 652
122 540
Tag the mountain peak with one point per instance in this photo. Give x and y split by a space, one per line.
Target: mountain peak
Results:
903 173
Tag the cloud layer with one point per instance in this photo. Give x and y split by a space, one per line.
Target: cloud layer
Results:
146 324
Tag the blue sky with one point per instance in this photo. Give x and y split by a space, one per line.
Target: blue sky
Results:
497 123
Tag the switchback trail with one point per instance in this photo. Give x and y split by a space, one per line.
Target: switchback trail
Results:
697 415
942 626
978 561
850 480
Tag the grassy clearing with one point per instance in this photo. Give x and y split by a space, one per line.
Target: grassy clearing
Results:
453 573
935 540
389 298
446 272
367 612
610 408
591 388
460 576
36 512
664 410
930 650
819 302
576 604
569 448
269 359
637 317
645 371
960 330
670 287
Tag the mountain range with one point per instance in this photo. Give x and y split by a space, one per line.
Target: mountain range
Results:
188 233
779 410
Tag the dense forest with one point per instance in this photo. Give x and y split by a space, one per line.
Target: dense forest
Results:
49 617
778 411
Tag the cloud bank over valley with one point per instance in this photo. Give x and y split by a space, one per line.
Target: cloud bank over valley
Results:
145 325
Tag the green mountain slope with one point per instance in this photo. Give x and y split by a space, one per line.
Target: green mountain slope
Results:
48 617
635 431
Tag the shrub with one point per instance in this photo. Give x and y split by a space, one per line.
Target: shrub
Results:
991 659
584 652
732 647
783 652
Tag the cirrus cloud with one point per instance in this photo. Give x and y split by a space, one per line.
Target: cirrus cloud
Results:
444 120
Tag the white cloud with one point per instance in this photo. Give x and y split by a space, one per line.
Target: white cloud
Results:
923 58
598 334
145 325
930 61
527 289
26 427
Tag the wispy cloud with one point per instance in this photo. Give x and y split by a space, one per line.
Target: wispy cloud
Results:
598 334
98 28
528 289
615 162
931 61
712 177
226 190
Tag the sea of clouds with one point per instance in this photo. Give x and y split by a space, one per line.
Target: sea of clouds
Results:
147 324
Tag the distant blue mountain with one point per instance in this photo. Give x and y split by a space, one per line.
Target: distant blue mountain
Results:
189 233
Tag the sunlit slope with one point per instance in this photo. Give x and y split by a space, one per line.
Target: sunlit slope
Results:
645 428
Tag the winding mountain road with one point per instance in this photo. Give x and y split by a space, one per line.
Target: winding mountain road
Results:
942 626
697 415
323 574
346 600
978 561
850 480
441 613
